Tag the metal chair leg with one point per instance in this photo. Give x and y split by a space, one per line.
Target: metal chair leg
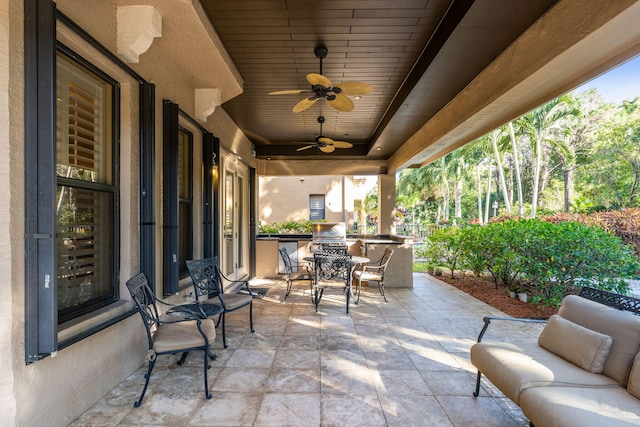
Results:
206 376
147 376
477 392
251 317
224 335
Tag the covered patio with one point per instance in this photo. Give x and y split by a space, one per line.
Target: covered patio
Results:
405 362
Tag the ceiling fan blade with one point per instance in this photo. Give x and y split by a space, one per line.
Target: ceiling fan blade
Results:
328 149
304 148
325 140
354 88
290 92
342 144
341 103
304 104
318 79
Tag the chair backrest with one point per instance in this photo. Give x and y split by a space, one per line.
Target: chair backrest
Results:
334 248
333 266
145 301
386 257
286 260
205 274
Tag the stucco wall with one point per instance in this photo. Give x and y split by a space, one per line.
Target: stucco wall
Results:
286 198
56 390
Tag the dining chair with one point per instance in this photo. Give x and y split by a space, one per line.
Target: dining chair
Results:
331 271
333 248
293 274
170 334
372 272
209 281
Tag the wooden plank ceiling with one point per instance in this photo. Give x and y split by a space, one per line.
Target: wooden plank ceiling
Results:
417 55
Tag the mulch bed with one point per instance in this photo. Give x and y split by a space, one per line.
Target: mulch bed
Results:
484 289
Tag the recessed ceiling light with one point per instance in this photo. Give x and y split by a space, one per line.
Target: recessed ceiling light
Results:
378 148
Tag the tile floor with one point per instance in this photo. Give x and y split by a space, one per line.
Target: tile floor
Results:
400 363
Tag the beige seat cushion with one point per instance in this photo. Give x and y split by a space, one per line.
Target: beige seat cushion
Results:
176 336
583 347
367 276
517 367
584 407
623 327
233 301
634 378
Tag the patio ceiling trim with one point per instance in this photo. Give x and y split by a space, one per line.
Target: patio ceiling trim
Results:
576 48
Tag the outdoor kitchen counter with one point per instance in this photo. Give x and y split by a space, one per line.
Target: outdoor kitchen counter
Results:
399 273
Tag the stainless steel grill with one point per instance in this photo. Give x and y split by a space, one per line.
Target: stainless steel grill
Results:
328 232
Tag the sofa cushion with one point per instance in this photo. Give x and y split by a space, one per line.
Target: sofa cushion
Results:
573 406
634 378
583 347
516 367
622 326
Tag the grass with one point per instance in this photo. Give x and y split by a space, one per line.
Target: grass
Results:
419 266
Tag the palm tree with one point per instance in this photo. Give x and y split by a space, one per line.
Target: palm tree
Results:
542 126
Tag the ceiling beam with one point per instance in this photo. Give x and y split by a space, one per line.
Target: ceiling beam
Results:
572 43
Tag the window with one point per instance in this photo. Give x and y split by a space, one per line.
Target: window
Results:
185 200
316 207
87 191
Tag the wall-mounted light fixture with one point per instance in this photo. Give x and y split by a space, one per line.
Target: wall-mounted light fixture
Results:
214 165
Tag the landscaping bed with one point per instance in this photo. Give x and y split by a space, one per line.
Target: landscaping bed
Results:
484 289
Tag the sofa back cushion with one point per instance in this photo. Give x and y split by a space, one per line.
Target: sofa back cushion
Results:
583 347
622 326
634 378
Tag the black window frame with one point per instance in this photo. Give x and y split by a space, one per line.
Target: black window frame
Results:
112 189
40 47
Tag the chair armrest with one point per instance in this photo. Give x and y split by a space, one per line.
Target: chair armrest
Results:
487 320
244 283
375 268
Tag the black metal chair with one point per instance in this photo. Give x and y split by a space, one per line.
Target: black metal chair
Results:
334 248
209 281
372 272
331 271
293 274
187 332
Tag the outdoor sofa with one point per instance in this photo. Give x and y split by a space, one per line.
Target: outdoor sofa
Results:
584 370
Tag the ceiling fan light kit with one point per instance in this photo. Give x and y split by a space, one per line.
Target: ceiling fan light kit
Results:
321 88
326 145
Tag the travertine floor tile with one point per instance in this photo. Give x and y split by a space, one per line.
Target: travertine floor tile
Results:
402 363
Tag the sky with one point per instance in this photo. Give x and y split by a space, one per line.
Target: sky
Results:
618 84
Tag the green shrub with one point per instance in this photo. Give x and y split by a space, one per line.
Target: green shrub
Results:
443 249
547 259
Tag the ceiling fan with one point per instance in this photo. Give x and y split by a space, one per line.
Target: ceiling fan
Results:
326 145
321 88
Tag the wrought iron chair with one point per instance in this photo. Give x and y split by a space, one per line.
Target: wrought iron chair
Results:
293 274
333 248
208 280
331 271
372 272
188 332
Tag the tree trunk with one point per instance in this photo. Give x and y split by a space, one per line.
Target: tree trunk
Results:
458 201
479 182
488 198
536 176
567 176
503 184
634 185
516 166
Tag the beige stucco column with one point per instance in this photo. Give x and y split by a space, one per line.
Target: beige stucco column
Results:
386 203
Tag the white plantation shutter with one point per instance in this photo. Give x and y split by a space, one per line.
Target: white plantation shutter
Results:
85 197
